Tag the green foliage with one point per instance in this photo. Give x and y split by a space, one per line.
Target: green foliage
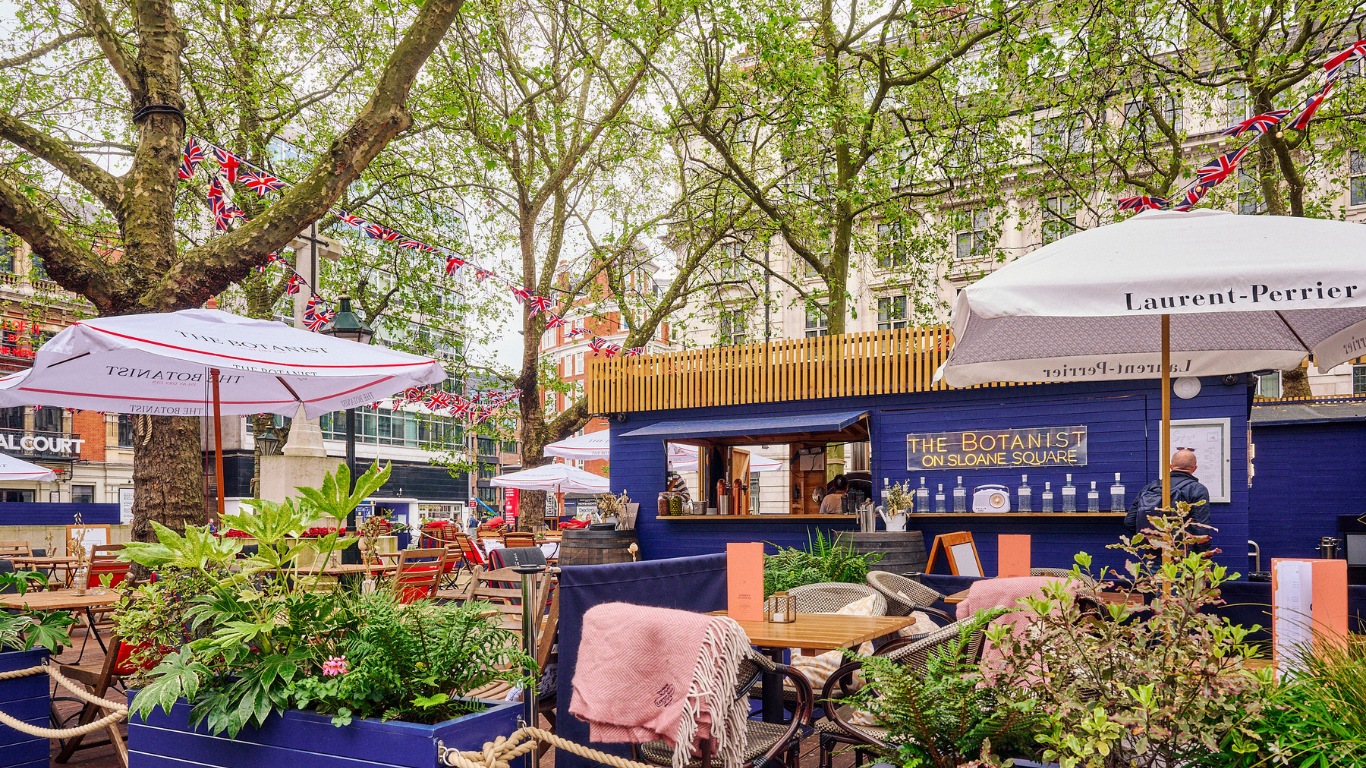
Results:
23 629
1134 685
255 637
947 714
823 560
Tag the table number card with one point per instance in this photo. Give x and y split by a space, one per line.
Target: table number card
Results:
745 581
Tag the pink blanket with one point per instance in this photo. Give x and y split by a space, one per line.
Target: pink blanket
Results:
1003 593
652 673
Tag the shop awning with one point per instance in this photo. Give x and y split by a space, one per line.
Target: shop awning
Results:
829 426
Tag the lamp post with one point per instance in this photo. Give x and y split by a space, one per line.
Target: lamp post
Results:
348 325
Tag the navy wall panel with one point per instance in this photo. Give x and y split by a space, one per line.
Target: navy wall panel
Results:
1122 420
39 513
1306 475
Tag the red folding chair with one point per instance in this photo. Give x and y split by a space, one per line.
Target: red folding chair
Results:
419 573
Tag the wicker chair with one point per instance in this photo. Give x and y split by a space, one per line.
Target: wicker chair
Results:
835 729
830 596
765 742
904 596
1062 573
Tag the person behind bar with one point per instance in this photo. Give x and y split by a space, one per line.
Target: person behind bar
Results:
678 485
833 503
1184 488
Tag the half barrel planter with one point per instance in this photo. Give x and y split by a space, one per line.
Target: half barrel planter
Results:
301 739
24 698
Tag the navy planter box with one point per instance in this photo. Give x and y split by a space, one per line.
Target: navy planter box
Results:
309 740
25 698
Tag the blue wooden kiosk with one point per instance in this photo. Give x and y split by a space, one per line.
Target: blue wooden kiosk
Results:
878 387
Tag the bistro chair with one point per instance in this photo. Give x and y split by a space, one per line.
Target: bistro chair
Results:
15 548
104 559
513 540
765 742
1063 573
469 551
837 730
419 573
905 596
99 682
830 596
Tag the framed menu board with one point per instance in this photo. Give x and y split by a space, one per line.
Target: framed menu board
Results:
1211 440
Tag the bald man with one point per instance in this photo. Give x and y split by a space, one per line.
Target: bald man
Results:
1184 488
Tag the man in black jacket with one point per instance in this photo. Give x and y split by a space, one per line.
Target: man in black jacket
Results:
1184 488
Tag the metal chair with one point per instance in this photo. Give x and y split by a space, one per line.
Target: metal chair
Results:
764 742
835 728
904 595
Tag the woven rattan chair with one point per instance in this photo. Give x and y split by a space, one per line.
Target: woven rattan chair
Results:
765 742
836 730
904 595
830 596
1062 573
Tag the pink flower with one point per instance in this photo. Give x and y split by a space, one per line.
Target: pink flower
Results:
335 665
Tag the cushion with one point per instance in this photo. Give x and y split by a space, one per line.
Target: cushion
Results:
820 667
920 626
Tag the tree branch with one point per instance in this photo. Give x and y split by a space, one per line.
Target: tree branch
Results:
43 50
76 267
103 31
61 156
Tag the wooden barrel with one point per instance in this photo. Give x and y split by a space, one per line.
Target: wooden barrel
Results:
902 551
587 547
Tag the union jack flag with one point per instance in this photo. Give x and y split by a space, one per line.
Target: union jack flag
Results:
191 158
261 182
612 350
314 322
374 406
376 231
228 162
572 332
553 320
1334 65
453 263
480 275
349 219
459 406
597 344
1193 196
633 352
223 214
480 415
1301 119
294 285
1257 124
1143 203
276 258
540 304
1221 167
439 400
415 245
521 294
412 394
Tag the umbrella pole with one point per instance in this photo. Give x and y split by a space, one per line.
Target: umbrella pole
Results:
1164 460
217 441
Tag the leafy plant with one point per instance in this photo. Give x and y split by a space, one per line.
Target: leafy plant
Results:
23 629
255 637
823 560
947 714
1134 685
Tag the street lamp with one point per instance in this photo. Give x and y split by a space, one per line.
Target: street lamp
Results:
348 325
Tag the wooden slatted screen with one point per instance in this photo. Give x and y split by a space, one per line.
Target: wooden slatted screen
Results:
855 364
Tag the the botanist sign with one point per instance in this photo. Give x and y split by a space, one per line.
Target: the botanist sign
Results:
997 448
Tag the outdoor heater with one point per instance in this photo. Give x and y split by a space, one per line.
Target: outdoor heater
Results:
348 325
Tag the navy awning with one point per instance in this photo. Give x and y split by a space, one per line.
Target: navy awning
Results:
831 426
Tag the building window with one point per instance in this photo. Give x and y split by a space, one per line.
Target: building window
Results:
1062 134
891 246
509 446
1250 192
1269 385
12 418
1239 104
39 272
126 430
891 312
384 426
83 494
488 495
1138 119
730 328
1359 379
47 419
1059 218
6 255
971 240
1358 173
487 447
817 324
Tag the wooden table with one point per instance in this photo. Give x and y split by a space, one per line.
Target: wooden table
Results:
348 569
811 632
60 600
48 564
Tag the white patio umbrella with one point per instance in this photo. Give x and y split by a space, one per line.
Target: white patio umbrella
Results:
18 469
181 363
1192 294
591 445
555 478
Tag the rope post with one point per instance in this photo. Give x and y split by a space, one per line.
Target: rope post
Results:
530 613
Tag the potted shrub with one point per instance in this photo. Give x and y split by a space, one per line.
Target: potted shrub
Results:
287 671
26 638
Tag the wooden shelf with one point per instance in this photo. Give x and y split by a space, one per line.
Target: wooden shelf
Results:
1050 515
760 518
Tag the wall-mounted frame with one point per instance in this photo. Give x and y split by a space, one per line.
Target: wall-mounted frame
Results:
1212 441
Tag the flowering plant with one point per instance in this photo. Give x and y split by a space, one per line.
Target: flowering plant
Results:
233 533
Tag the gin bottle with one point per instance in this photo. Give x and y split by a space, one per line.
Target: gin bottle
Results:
1093 499
940 504
1046 500
960 497
922 497
1117 496
1025 495
1069 496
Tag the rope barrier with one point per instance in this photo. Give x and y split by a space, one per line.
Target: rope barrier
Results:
117 711
498 753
